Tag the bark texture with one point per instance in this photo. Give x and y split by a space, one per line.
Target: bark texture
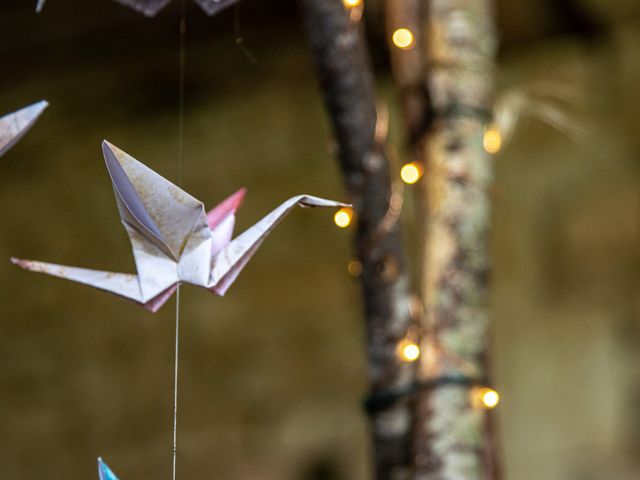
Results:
451 435
409 71
346 82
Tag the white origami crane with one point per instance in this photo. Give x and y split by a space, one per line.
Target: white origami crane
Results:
14 125
173 239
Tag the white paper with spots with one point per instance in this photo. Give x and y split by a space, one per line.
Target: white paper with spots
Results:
173 239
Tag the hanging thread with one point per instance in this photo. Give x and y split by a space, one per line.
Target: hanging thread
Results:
181 88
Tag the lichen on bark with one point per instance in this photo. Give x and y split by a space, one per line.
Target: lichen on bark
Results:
451 434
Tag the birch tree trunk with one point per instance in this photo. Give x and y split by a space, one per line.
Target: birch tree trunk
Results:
346 82
452 435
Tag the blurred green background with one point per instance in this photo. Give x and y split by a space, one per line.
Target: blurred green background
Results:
272 375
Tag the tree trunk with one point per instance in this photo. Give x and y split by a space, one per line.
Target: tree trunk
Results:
346 82
452 440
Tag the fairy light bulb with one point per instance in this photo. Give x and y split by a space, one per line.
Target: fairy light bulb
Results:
408 350
403 38
351 3
343 217
492 139
411 173
486 398
354 267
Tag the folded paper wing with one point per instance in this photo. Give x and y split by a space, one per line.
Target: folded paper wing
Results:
222 220
149 203
14 125
122 284
125 285
104 472
150 8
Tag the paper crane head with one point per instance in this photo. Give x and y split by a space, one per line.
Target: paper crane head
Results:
173 239
15 125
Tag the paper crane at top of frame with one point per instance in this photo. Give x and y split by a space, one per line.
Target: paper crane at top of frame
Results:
14 125
173 240
150 8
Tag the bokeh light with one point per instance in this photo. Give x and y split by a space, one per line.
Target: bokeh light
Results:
403 38
351 3
343 217
492 140
408 350
486 398
411 173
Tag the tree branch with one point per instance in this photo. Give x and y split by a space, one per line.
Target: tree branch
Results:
346 82
452 435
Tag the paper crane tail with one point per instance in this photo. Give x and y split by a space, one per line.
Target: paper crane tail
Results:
122 284
15 125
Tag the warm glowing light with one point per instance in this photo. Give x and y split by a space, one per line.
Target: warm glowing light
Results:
354 267
487 398
408 350
403 38
352 3
411 172
492 140
342 218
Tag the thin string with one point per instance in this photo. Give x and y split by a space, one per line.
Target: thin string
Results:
175 383
182 68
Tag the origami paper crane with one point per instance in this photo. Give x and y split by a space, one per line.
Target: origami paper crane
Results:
14 125
174 241
104 472
150 8
40 5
